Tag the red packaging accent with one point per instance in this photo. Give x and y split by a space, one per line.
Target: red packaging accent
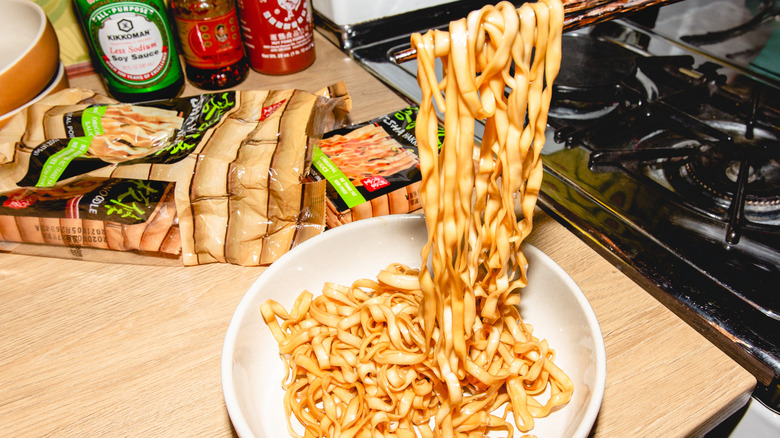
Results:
374 183
212 42
19 203
73 207
278 34
268 110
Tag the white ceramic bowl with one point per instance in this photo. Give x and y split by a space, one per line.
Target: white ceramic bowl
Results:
252 370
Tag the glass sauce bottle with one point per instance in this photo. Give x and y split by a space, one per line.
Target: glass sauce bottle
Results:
278 34
210 42
132 47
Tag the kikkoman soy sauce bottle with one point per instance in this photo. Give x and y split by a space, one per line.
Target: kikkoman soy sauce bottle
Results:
132 47
210 37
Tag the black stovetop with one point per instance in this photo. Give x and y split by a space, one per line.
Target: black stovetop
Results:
682 132
651 177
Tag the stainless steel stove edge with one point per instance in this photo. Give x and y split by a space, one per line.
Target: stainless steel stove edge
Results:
714 312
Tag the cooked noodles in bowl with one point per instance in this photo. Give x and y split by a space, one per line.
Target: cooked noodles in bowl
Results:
253 372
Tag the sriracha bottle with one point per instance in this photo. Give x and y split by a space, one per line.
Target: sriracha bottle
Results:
278 34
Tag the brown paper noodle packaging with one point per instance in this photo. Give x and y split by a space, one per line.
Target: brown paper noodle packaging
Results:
211 178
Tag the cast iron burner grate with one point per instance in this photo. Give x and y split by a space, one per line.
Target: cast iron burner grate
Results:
590 85
718 149
739 178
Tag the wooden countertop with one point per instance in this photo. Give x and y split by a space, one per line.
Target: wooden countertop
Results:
94 349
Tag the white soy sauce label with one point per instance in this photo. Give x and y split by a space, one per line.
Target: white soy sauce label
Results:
131 44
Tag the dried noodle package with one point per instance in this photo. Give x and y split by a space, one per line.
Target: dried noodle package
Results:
372 168
228 170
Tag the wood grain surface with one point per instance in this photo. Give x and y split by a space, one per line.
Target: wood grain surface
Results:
124 350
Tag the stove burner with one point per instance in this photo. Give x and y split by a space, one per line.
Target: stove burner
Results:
593 66
588 85
713 176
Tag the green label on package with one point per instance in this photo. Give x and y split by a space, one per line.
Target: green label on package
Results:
58 162
91 120
343 186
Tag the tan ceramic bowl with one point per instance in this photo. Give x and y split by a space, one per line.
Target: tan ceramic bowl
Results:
29 53
57 83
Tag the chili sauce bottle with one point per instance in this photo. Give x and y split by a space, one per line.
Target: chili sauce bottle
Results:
278 34
210 37
132 47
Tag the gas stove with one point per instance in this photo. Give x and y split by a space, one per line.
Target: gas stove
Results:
666 159
676 150
670 165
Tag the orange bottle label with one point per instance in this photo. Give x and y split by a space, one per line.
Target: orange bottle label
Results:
212 42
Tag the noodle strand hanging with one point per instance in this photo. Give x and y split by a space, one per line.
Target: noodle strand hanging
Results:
443 351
